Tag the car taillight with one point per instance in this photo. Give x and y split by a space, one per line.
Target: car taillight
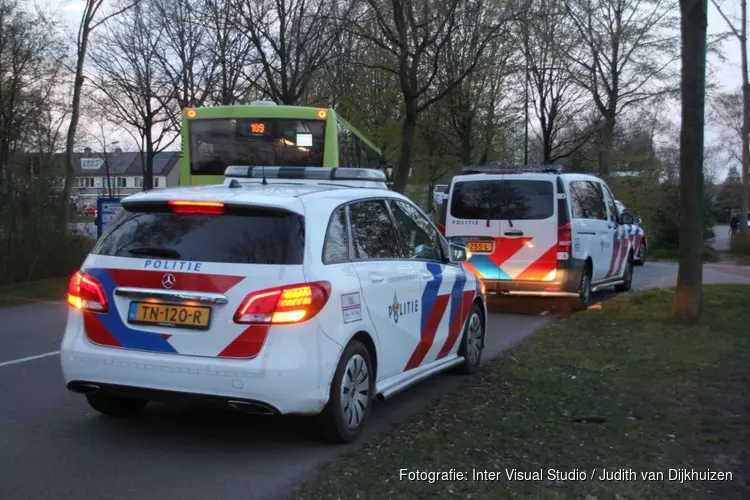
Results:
284 304
564 240
86 293
197 207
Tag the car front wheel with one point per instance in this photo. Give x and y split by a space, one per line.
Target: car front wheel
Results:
352 387
641 258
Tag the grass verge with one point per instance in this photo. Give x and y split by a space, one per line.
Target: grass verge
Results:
33 291
621 388
672 254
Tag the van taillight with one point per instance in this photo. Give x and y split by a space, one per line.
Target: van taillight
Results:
564 241
284 304
441 228
86 293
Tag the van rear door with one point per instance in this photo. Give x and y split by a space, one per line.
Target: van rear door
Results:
518 214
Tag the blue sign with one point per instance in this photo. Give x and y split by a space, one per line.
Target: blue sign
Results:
107 210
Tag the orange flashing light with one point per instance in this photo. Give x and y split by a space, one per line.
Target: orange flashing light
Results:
191 113
322 114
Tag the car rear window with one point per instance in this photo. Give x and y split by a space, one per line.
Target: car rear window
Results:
512 199
240 236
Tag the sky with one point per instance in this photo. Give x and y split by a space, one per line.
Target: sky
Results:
726 73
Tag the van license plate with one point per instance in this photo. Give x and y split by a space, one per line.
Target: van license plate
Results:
174 315
479 246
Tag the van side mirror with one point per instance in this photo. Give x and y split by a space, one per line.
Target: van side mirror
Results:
627 218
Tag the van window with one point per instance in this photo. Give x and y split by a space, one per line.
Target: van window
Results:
513 199
247 236
587 201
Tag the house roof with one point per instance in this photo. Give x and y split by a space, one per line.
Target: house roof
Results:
164 162
121 163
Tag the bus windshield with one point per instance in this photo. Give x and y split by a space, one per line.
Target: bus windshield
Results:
216 144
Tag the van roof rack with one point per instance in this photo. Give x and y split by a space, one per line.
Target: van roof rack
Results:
502 168
305 173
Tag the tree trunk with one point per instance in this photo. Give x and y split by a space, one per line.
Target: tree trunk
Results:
73 128
407 147
148 178
607 142
688 299
745 122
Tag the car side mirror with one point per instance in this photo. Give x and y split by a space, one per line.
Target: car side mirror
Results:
638 220
459 253
627 218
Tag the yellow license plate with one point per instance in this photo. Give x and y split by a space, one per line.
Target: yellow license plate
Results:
479 246
150 313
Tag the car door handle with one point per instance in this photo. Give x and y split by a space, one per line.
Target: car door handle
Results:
376 278
513 233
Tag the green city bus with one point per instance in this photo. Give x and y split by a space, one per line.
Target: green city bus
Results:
266 134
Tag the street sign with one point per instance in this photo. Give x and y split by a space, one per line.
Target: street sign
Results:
107 210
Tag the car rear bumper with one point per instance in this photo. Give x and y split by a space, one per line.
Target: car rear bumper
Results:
293 381
566 283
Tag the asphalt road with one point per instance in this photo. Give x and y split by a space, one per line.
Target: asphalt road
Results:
53 446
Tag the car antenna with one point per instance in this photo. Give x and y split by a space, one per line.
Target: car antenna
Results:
263 173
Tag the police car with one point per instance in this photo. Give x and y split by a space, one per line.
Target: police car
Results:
537 231
640 245
288 290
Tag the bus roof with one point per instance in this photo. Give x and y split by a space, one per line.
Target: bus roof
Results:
267 109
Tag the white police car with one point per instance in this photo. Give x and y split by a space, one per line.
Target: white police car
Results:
282 291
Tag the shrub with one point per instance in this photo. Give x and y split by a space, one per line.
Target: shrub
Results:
33 241
740 244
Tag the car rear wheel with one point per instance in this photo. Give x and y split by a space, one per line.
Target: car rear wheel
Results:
115 406
472 342
343 418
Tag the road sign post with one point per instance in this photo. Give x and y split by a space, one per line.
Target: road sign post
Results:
107 210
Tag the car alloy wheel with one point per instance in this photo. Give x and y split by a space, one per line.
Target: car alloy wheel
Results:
350 396
355 391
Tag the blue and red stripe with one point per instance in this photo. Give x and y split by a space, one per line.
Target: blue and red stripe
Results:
433 308
109 329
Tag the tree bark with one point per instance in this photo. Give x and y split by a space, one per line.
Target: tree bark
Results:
407 147
745 122
607 144
75 113
688 299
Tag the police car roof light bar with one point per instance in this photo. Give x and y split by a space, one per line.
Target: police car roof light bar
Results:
305 173
499 168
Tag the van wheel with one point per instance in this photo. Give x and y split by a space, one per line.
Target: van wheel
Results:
627 276
115 406
472 342
584 290
352 388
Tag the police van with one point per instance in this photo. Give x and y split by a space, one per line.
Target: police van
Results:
292 290
536 231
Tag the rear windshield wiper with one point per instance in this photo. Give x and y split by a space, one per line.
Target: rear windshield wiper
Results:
155 252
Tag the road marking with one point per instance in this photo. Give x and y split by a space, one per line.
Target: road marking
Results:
29 358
